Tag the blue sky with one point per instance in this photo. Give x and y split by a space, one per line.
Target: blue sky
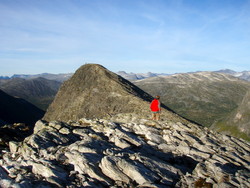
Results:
163 36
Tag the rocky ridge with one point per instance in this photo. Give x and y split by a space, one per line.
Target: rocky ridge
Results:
95 92
125 151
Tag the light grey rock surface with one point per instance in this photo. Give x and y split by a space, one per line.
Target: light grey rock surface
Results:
129 153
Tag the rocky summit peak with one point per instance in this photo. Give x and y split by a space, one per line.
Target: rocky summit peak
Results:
95 92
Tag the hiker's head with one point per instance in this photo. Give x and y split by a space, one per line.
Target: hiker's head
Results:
157 97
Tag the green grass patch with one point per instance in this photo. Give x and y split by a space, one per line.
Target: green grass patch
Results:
231 130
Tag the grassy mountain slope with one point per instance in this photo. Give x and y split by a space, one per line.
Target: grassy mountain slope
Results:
203 97
237 123
38 91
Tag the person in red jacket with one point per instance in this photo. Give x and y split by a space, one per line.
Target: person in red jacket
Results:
155 107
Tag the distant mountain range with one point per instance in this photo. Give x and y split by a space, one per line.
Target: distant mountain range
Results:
56 77
244 75
138 76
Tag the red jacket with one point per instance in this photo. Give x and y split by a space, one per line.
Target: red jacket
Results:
155 105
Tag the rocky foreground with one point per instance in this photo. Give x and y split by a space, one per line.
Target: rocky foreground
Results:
127 153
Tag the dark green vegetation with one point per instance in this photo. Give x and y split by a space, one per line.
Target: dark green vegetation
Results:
38 91
203 97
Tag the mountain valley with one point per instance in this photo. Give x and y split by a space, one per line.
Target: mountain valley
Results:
97 133
38 91
204 97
